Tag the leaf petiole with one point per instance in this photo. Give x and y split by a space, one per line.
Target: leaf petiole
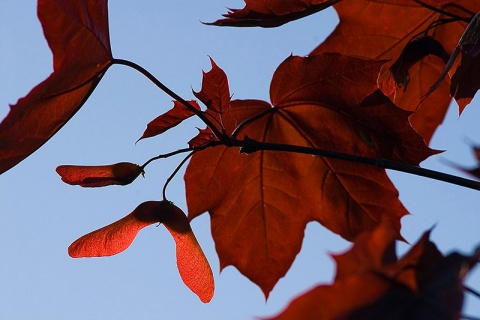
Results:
449 14
179 151
164 191
221 136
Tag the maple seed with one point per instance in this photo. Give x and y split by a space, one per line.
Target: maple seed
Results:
122 173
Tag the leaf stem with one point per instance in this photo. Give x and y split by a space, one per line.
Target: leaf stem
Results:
221 136
249 146
250 120
165 155
164 191
449 14
170 154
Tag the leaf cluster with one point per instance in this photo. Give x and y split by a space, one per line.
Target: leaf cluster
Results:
369 97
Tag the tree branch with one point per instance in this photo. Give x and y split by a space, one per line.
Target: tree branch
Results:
250 146
170 154
164 88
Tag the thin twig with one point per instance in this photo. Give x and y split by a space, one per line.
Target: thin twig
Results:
250 120
165 155
164 191
170 154
459 7
446 13
221 136
249 146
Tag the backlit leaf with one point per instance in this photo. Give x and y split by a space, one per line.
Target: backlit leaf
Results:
169 119
381 29
260 203
423 284
77 33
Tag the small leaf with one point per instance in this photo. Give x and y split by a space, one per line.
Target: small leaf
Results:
473 171
214 93
169 119
268 13
204 136
423 284
122 173
192 264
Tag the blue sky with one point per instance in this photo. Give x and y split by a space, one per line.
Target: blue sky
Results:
40 216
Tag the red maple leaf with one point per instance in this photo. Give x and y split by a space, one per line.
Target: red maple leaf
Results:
260 203
118 236
77 33
169 119
372 284
382 29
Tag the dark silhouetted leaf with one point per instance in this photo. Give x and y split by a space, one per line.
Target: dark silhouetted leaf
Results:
421 285
268 13
474 171
413 52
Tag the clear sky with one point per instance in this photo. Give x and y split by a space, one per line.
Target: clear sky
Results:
40 216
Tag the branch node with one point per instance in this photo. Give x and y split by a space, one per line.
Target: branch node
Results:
248 146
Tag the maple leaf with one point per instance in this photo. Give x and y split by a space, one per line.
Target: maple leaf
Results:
122 173
169 119
382 29
192 264
77 33
215 92
372 284
268 13
260 203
